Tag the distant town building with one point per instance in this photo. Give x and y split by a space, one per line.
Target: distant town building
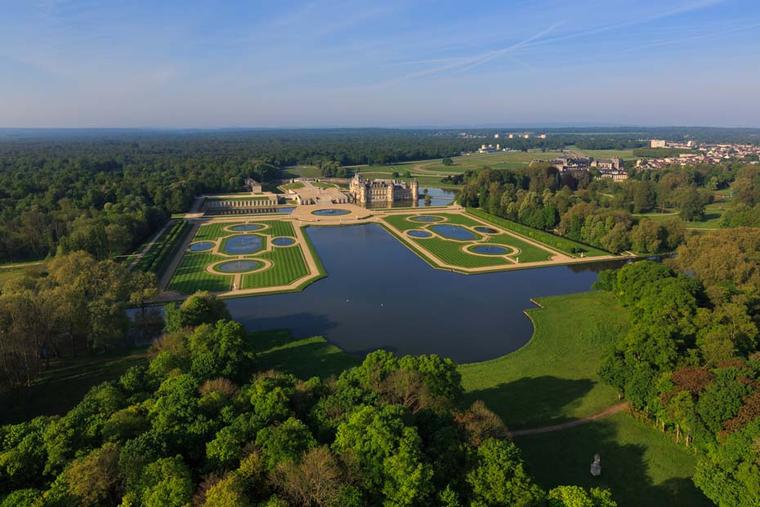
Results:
608 164
496 136
658 143
367 191
542 136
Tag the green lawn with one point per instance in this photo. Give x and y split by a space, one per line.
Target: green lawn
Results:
554 377
288 266
65 383
713 216
450 252
557 242
641 466
526 253
191 274
211 232
304 358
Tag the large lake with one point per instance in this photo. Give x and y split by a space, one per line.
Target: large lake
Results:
381 295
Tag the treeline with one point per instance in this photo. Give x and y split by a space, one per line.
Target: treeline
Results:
571 206
76 307
691 360
201 425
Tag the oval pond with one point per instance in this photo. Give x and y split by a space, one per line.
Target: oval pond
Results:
283 241
244 244
457 232
201 246
238 266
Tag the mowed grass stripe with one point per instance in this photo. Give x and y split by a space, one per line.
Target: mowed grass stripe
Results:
288 266
191 274
527 252
451 252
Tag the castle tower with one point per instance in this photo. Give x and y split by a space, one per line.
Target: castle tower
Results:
415 187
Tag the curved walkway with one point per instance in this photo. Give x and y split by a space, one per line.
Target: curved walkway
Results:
614 409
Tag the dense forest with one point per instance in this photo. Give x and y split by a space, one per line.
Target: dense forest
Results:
201 425
691 360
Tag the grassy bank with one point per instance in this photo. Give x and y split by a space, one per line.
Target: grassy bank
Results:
554 377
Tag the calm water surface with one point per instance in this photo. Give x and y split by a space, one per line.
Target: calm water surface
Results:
381 295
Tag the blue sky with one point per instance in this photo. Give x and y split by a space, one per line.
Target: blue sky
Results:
281 63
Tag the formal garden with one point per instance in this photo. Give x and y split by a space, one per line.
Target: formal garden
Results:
225 256
460 241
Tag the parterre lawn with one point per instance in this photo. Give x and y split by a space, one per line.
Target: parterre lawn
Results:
451 252
288 265
191 274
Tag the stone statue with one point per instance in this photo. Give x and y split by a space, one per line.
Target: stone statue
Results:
596 466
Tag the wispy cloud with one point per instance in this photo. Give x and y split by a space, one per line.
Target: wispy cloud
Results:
465 63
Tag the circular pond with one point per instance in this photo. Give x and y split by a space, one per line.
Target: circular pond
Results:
246 227
284 241
418 233
426 219
201 246
454 232
239 245
239 266
490 249
330 212
485 230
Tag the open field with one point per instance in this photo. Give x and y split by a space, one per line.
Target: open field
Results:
65 383
639 464
567 246
554 377
713 216
455 253
284 265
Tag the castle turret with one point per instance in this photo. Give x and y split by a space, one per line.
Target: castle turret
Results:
415 188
